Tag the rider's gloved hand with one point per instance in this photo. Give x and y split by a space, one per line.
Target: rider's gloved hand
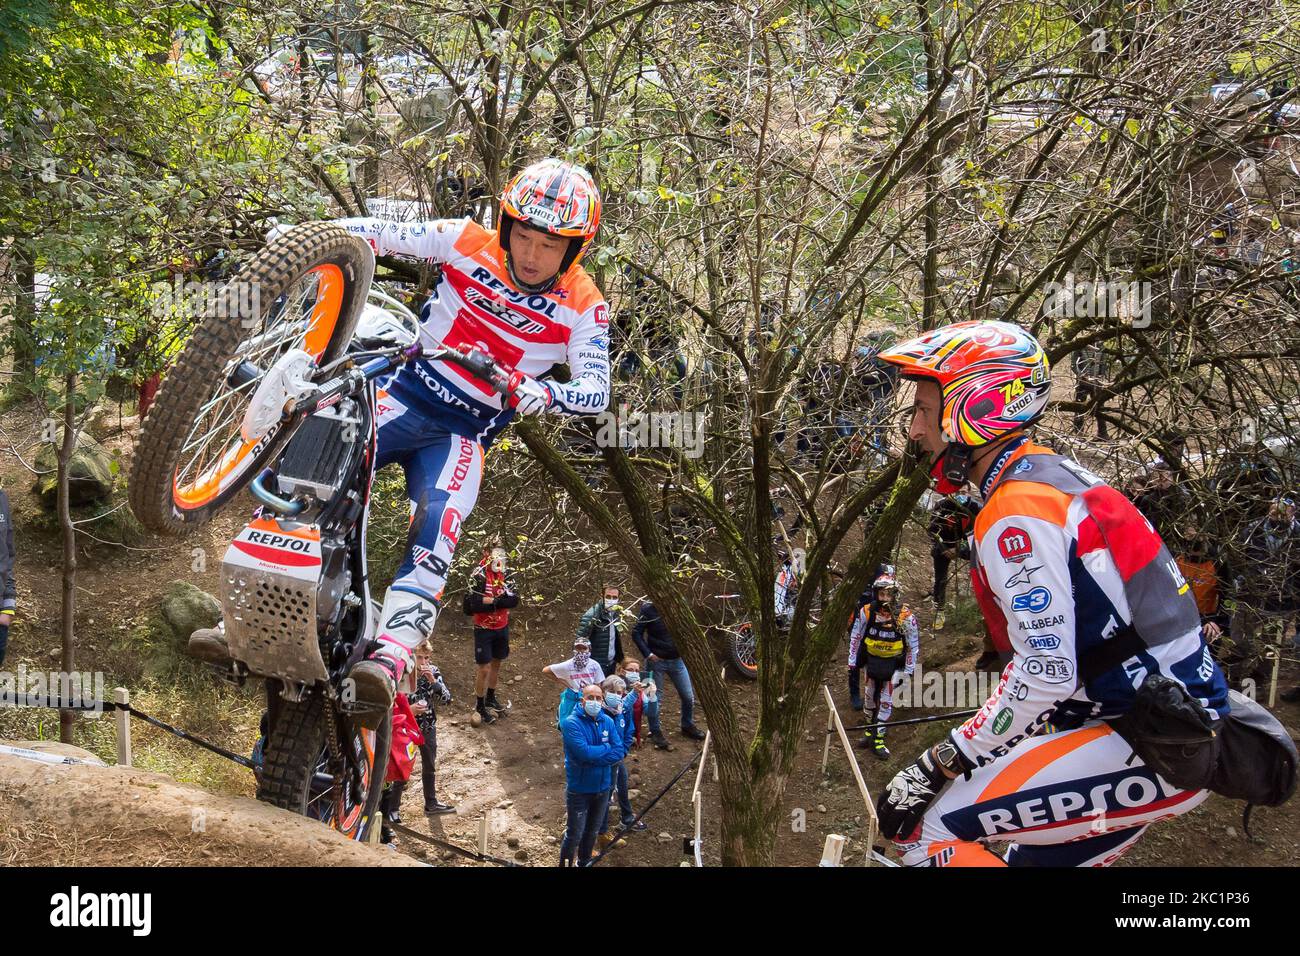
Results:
529 396
904 802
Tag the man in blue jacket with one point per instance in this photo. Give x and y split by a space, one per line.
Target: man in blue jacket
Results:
592 745
618 707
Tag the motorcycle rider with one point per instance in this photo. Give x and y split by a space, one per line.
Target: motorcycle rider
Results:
786 588
519 294
884 639
1078 585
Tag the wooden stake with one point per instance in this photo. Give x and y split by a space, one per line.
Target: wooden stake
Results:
872 822
833 850
122 722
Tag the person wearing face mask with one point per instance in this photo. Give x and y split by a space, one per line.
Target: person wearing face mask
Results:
602 624
642 698
489 599
592 745
618 707
573 675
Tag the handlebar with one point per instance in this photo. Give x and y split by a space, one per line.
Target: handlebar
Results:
474 360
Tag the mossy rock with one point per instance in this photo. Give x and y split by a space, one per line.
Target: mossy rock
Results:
187 609
91 474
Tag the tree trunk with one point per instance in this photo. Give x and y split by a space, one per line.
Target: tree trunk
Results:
23 333
751 813
69 445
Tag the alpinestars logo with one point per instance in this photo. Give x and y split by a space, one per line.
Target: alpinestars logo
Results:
416 616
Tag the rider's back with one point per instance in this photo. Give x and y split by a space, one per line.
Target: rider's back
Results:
1064 565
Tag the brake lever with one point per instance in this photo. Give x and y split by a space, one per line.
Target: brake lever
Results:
478 363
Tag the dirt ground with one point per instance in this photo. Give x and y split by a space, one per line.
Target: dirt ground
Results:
512 770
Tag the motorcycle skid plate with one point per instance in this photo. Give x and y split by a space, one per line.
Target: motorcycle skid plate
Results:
269 579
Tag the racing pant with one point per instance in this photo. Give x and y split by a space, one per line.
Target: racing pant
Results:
1077 797
443 472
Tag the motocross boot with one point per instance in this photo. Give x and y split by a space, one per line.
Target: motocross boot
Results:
878 745
405 620
209 644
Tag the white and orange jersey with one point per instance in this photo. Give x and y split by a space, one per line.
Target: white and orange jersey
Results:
1079 587
475 303
786 590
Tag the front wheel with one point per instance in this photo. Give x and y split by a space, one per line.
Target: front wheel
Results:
305 291
299 774
743 648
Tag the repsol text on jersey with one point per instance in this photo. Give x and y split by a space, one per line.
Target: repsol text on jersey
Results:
538 303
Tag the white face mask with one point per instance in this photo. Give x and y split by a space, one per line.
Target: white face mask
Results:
633 677
611 602
498 560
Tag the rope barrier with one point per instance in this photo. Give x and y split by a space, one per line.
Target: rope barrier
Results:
27 700
912 720
659 796
470 854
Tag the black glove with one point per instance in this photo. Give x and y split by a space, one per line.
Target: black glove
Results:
903 804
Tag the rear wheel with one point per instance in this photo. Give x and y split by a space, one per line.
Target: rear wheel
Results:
297 774
305 290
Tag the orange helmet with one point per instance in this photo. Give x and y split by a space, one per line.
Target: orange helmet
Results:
557 197
994 378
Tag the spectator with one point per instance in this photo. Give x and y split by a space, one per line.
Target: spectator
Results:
1162 500
574 674
430 691
406 739
656 645
1199 566
602 625
489 599
8 585
642 698
1091 370
618 705
876 382
949 530
592 745
1267 588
